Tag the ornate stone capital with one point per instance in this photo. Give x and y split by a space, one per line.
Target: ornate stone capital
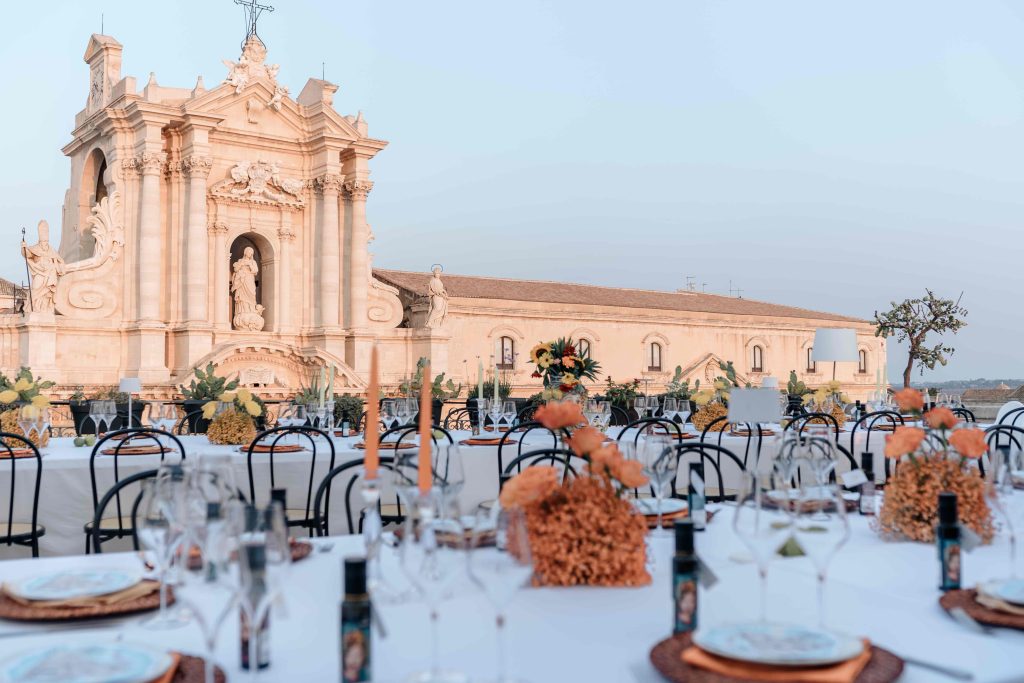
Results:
358 189
328 182
286 234
197 166
174 168
217 228
150 163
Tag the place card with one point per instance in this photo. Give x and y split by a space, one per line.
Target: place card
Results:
854 478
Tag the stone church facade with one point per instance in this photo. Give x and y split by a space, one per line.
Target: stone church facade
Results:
229 225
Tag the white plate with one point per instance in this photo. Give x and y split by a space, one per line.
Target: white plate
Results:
1010 590
88 663
649 506
778 644
73 583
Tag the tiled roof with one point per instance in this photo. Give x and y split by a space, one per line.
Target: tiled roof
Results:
986 394
8 288
476 287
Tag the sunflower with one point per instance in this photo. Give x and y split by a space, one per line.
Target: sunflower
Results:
539 350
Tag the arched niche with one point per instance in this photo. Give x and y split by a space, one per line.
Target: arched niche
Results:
263 253
92 189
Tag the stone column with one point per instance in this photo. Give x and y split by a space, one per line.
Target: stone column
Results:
150 165
286 236
329 186
197 245
221 276
359 273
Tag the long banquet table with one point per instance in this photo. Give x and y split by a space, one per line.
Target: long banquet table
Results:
66 500
882 590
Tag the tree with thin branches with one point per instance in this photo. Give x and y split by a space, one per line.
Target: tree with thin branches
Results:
912 320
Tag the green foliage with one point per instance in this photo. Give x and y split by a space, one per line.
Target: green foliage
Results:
78 395
621 394
347 409
912 320
679 388
504 385
207 386
730 374
795 387
440 389
32 386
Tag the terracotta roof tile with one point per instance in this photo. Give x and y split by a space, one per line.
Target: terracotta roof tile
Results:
477 287
986 394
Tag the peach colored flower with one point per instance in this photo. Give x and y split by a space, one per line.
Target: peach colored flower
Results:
903 441
559 415
909 399
606 456
630 473
568 361
585 440
530 485
941 418
970 443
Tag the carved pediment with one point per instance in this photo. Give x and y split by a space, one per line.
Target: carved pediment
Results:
260 182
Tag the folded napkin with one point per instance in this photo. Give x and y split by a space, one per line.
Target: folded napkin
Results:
986 599
667 518
172 670
139 590
843 672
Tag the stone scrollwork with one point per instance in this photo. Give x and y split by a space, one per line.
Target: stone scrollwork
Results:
260 182
88 288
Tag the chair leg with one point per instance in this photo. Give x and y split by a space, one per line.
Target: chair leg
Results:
88 543
35 546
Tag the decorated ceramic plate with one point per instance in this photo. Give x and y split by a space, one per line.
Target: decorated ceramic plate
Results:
778 644
73 583
88 663
649 506
1010 590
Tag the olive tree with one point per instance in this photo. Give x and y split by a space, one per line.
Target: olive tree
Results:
912 320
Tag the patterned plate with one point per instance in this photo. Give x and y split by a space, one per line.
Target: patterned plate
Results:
73 583
1010 590
778 644
89 663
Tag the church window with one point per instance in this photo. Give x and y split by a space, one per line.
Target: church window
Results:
583 347
654 361
507 353
862 361
811 365
757 364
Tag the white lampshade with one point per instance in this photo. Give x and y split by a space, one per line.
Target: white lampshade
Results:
754 405
130 385
770 383
834 344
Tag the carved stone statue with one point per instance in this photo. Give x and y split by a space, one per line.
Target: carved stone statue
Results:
438 296
260 181
250 66
248 313
46 266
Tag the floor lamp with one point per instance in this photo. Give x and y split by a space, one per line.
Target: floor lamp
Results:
834 344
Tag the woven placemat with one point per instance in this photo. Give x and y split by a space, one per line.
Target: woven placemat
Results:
192 670
484 442
389 446
668 520
11 609
966 599
666 656
746 432
16 453
136 450
279 448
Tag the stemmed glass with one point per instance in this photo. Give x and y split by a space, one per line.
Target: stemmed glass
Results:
449 475
509 412
109 413
163 416
500 571
652 405
162 534
402 412
821 528
389 413
660 463
96 415
670 409
999 492
762 529
433 567
591 411
640 406
494 408
27 421
373 529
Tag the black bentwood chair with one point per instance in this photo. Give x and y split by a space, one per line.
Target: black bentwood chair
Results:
15 448
121 445
390 512
507 441
651 425
568 463
708 453
965 414
277 442
752 432
114 494
878 421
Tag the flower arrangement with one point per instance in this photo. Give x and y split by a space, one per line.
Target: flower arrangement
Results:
583 532
234 426
712 403
25 390
938 459
828 398
562 367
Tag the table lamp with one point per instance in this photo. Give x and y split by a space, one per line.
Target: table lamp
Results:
130 385
835 345
753 406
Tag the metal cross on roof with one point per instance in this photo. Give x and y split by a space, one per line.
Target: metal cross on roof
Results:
252 10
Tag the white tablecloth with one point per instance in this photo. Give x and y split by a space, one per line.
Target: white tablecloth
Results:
886 591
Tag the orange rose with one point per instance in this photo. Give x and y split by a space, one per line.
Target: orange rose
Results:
909 399
532 484
585 440
630 473
605 456
941 418
970 443
903 441
559 415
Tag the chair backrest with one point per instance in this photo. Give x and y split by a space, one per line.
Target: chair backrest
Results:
322 502
880 420
653 424
12 445
521 432
559 458
458 419
1010 412
710 453
1004 435
409 430
114 493
191 423
753 432
620 416
965 414
114 444
525 414
272 438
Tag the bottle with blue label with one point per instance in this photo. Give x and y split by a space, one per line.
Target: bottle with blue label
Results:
355 624
685 569
947 535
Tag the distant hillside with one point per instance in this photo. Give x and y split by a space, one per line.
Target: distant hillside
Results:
961 384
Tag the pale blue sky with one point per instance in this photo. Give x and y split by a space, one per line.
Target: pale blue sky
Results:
826 155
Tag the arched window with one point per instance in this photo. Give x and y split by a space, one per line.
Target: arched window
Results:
583 348
507 353
757 364
811 365
862 361
654 361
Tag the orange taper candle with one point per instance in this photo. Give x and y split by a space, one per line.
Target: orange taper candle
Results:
424 478
372 439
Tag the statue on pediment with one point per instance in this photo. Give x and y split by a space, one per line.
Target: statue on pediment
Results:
438 297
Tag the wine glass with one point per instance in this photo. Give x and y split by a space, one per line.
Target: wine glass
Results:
652 405
403 415
763 529
509 412
591 411
659 460
27 421
109 413
433 567
494 407
640 406
389 413
999 493
821 528
96 415
502 570
449 475
670 409
160 533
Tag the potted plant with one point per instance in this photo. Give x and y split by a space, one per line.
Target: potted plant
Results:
795 392
347 409
621 395
679 389
24 390
205 386
79 407
440 389
713 403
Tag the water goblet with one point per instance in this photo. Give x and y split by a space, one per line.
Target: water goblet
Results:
96 415
403 414
640 406
821 528
762 529
509 412
999 494
161 534
27 416
670 409
389 413
659 461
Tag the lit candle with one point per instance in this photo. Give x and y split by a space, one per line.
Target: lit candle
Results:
424 475
372 437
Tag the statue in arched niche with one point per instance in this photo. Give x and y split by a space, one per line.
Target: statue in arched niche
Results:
248 313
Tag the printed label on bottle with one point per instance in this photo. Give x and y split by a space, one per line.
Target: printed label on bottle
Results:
949 563
684 594
355 650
